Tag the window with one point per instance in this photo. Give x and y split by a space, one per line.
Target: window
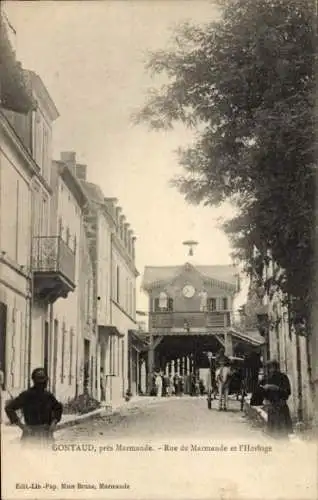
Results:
63 353
17 224
60 228
68 236
131 300
37 211
71 355
224 304
211 304
45 153
88 297
155 306
170 304
37 139
127 296
45 217
117 284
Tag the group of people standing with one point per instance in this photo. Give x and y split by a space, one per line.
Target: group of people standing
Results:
168 385
42 412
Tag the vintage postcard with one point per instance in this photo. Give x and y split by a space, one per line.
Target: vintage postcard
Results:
158 316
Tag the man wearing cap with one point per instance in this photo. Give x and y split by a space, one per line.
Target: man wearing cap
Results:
41 410
276 390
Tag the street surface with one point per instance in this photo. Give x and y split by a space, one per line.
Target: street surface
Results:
162 448
157 418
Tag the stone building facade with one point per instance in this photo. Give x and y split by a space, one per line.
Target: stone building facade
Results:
284 340
111 246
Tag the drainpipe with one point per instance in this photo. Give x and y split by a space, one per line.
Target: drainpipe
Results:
30 323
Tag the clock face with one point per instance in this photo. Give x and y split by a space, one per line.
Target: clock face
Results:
188 291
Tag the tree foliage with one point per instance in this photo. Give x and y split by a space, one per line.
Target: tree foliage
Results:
246 84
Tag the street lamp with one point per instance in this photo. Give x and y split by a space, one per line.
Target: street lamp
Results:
190 244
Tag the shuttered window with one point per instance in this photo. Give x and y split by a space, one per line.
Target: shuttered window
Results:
212 304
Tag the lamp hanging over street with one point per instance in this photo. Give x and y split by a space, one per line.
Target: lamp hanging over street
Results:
190 244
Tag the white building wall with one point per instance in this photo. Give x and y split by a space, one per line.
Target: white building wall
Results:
15 207
15 224
39 316
104 270
66 311
123 317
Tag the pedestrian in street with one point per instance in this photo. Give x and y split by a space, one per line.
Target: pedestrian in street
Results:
275 390
221 359
41 411
171 386
176 384
158 383
166 384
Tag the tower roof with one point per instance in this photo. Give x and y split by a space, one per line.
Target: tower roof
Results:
155 274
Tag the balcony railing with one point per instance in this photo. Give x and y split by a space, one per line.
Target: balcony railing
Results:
187 320
52 255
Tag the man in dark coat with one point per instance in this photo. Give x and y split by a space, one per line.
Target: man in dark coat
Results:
41 410
275 388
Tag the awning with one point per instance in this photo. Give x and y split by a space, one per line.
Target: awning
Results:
109 330
249 339
137 342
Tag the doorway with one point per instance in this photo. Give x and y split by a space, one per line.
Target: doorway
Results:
55 347
3 339
86 366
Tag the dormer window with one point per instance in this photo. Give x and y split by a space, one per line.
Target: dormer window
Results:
163 300
163 303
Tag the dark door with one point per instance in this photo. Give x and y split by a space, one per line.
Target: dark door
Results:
3 337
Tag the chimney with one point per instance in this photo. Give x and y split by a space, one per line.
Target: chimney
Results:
79 170
69 157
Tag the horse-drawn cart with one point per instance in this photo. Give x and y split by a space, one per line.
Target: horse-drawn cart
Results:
232 381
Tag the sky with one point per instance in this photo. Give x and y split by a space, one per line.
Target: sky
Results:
90 56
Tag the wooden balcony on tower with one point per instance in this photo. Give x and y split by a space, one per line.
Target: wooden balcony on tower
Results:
189 321
53 266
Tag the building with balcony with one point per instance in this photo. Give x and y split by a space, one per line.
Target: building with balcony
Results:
26 117
62 278
112 249
190 314
17 168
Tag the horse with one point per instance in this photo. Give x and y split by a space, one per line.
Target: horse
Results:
223 378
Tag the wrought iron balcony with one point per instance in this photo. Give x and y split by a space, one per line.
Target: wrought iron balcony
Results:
186 321
53 265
